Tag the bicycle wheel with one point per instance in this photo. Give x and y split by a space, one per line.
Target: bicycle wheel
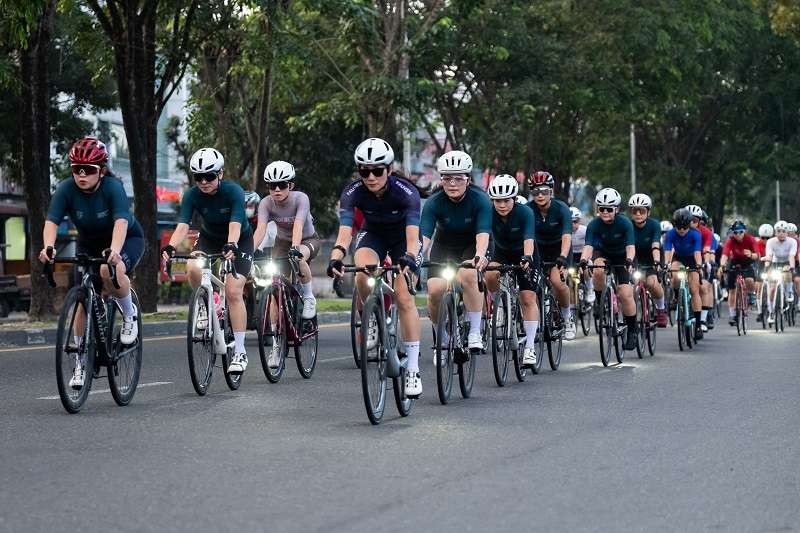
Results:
355 325
305 349
641 333
763 306
234 380
668 295
778 308
199 345
606 333
125 363
681 319
74 316
271 333
555 340
581 307
652 327
445 327
543 333
501 337
373 362
741 307
401 401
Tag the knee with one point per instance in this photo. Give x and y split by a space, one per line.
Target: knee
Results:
233 291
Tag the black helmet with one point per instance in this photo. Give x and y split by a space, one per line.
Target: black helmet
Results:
681 218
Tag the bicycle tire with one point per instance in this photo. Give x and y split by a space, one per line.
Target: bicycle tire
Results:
501 337
778 308
373 363
444 358
355 326
201 368
401 401
763 304
306 348
619 349
606 333
555 343
269 310
517 351
581 308
233 380
125 367
680 320
72 399
652 327
641 332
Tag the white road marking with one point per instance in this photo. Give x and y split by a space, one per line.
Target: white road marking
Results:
98 391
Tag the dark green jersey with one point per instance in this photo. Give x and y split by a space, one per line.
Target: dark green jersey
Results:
457 221
555 224
93 214
217 210
610 239
645 237
510 234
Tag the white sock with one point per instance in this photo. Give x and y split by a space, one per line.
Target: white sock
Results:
238 342
530 330
660 303
703 315
126 303
308 291
731 311
566 313
771 306
474 318
412 352
77 339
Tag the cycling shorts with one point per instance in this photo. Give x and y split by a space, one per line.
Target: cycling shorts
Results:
748 271
618 266
242 263
281 246
449 253
525 281
383 245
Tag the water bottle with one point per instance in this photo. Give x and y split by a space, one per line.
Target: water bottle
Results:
219 307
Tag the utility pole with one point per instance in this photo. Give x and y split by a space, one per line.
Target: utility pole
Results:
404 74
633 160
777 199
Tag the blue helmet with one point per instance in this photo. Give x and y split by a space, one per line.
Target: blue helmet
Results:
738 225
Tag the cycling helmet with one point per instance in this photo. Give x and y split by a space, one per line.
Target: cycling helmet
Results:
738 225
522 200
454 162
717 237
666 225
695 210
640 200
792 227
766 231
251 201
374 151
88 151
705 218
541 177
576 213
206 160
278 171
781 225
503 186
608 197
682 218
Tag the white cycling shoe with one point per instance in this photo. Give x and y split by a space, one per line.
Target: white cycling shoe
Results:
569 332
590 296
475 341
78 376
413 385
274 360
529 356
309 307
238 364
372 334
130 329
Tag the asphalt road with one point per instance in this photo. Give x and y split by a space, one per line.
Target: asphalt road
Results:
692 441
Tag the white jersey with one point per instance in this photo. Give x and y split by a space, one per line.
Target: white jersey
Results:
579 239
780 252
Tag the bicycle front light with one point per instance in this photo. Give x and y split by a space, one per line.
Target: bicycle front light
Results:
571 271
763 275
271 269
681 275
448 274
776 275
637 275
370 282
202 262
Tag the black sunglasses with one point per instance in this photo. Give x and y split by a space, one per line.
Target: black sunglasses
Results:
541 191
206 176
606 209
280 185
88 170
682 227
377 172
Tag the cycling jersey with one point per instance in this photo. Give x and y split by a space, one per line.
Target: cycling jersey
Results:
610 239
93 214
554 225
217 210
645 236
284 214
780 251
579 239
735 249
684 246
457 222
708 237
761 247
509 235
389 214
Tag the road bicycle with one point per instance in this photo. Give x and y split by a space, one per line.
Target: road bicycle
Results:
742 303
611 329
645 316
684 319
88 335
208 326
381 354
507 332
280 320
356 307
550 335
583 309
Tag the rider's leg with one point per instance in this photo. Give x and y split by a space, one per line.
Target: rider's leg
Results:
706 299
599 276
234 290
473 298
561 292
363 257
530 314
656 290
409 321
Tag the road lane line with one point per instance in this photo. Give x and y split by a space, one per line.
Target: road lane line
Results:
153 384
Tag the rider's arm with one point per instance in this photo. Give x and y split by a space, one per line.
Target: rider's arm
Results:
181 230
234 231
668 251
343 241
300 216
566 231
118 234
566 244
656 252
586 254
630 252
481 244
698 258
527 247
412 240
297 231
483 226
792 253
260 233
630 242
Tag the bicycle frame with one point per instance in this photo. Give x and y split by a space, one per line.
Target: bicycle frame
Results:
280 285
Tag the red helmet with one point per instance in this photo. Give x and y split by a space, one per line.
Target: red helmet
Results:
88 151
540 177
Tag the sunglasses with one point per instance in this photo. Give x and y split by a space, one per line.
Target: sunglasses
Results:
281 185
541 191
606 209
88 170
207 177
739 232
377 172
682 228
638 211
453 180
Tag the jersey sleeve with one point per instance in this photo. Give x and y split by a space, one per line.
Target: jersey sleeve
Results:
529 231
769 251
263 211
187 207
58 206
346 207
708 239
589 234
237 207
484 214
668 240
697 242
792 247
566 221
630 236
727 247
118 200
427 223
303 206
655 233
412 207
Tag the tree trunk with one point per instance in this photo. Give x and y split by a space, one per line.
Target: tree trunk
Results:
36 152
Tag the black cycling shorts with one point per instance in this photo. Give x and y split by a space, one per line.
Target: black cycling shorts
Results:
242 263
525 281
450 252
748 271
618 264
383 245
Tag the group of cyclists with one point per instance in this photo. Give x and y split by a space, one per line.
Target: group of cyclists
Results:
460 225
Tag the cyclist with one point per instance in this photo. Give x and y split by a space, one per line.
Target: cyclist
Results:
98 206
553 239
765 232
513 232
391 208
781 253
666 225
647 232
251 201
699 219
610 241
792 231
683 247
739 249
578 242
456 223
224 229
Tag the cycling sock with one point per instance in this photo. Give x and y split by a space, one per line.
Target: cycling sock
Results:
630 321
412 352
704 314
660 303
598 294
731 311
530 330
697 317
566 313
771 305
308 289
77 339
238 342
126 303
474 318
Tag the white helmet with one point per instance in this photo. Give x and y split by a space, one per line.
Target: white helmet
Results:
666 225
781 225
503 186
640 200
717 237
608 197
278 171
374 151
522 200
455 162
765 231
695 210
792 227
206 160
576 213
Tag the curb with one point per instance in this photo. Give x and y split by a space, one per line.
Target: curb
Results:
167 328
